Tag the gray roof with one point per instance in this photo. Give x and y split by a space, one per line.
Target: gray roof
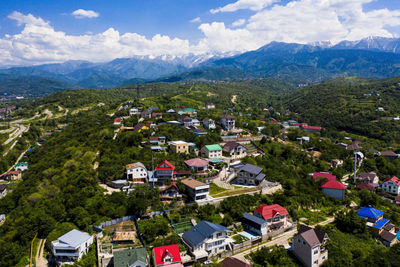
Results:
253 220
260 177
387 236
127 257
251 169
202 231
73 238
312 236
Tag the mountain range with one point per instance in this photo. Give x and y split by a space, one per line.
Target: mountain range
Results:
376 57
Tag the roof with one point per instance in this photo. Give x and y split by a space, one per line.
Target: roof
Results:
13 172
213 147
192 183
393 179
233 262
21 164
2 187
253 220
369 176
135 165
196 162
388 154
369 212
74 238
269 211
166 162
312 236
215 160
161 252
381 223
231 145
202 231
387 236
366 186
311 127
117 120
226 116
127 257
138 127
326 175
333 184
251 169
174 143
260 177
173 184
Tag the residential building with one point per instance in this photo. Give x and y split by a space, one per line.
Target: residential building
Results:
197 165
356 145
207 239
336 163
388 238
130 258
186 121
390 155
211 151
136 173
377 225
157 140
275 215
3 190
179 147
146 114
164 171
311 129
167 256
323 175
199 132
303 139
234 150
140 127
22 166
210 106
368 177
196 122
208 123
334 189
227 122
117 121
309 246
391 185
196 190
254 224
366 186
249 175
133 111
171 111
71 246
234 262
170 192
13 175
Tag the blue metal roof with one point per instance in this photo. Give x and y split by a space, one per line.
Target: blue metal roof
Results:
73 238
369 212
382 222
254 219
202 231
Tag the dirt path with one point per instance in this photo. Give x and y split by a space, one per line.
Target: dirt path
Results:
16 162
39 259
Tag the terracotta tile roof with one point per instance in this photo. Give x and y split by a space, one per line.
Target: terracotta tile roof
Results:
196 162
192 183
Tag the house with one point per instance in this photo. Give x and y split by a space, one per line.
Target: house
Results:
164 171
390 155
356 145
391 185
323 175
117 121
366 186
133 111
210 106
167 256
336 163
254 224
189 111
22 166
206 239
208 123
170 192
211 151
388 239
124 237
186 121
375 221
195 122
140 127
197 165
156 115
157 140
117 184
275 215
179 147
234 262
309 246
303 139
196 190
311 129
13 175
334 189
249 175
368 177
146 114
199 132
130 258
234 150
136 173
228 122
71 246
171 111
3 190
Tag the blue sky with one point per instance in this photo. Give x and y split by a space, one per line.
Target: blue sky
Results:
45 31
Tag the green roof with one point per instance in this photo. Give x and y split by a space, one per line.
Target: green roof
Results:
22 164
127 257
213 147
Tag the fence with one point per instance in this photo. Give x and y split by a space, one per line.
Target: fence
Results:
99 228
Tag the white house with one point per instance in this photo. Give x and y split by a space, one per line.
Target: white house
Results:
22 166
206 239
136 173
309 246
391 185
134 111
211 151
71 246
196 190
208 123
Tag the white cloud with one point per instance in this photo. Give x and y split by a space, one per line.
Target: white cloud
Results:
244 4
238 22
196 20
82 13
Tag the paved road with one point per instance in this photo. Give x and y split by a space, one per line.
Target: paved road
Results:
22 128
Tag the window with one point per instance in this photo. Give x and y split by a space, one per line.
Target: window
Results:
316 251
316 262
323 257
219 235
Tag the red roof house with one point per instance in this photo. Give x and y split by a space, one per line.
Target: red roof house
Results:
270 211
165 166
393 179
167 256
197 165
117 121
319 175
311 129
334 189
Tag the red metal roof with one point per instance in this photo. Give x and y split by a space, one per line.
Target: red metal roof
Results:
161 252
269 211
311 127
117 120
328 176
394 179
333 184
171 167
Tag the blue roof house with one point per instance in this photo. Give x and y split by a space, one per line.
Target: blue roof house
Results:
375 220
207 239
71 246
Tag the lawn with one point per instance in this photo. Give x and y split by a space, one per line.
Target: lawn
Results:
215 189
239 238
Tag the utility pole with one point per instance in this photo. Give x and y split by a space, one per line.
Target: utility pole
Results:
355 165
152 165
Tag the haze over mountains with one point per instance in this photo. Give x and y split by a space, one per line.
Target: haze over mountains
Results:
298 63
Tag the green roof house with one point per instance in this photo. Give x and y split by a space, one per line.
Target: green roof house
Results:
130 258
22 166
211 151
